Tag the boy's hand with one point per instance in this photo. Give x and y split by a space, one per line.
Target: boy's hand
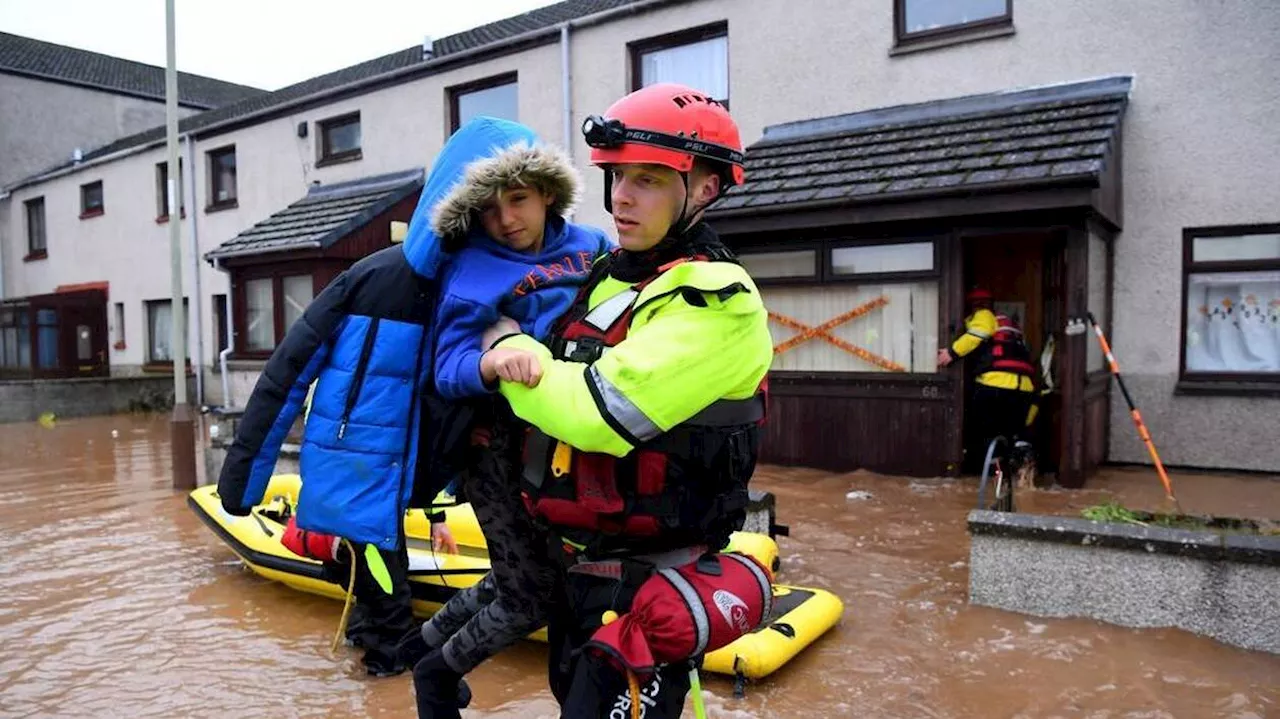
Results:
944 358
503 327
442 539
512 365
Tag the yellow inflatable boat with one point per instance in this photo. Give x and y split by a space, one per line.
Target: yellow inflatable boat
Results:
800 615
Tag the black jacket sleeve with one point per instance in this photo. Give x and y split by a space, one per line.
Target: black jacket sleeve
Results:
278 396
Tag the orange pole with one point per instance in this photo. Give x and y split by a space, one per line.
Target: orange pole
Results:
1143 433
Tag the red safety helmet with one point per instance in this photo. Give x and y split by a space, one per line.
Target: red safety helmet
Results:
670 125
978 294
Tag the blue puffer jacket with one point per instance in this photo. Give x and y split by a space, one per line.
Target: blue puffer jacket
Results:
368 338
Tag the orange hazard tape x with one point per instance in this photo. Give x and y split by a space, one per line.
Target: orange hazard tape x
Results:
807 333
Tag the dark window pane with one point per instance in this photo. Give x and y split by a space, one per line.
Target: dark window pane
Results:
342 137
223 175
91 197
35 225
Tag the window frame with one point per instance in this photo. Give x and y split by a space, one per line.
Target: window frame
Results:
220 320
457 91
830 275
240 307
1225 383
324 150
162 191
213 204
118 326
33 252
901 37
149 360
638 48
85 210
815 278
17 309
826 275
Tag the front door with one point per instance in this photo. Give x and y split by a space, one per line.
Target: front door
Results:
1021 271
83 341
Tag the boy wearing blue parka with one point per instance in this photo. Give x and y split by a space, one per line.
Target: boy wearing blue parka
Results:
372 440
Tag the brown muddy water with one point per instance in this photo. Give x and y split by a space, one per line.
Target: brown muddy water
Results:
118 602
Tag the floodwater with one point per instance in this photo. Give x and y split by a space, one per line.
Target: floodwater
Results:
118 602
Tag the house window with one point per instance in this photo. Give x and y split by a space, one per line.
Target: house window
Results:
789 265
260 311
222 178
271 306
162 191
219 323
160 329
37 244
920 19
698 58
1231 286
870 308
117 326
881 259
47 339
339 139
91 200
494 96
15 338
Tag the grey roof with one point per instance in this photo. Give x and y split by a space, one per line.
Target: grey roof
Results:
59 63
368 71
327 214
975 143
533 20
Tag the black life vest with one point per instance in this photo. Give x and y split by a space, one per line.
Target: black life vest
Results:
686 486
1006 351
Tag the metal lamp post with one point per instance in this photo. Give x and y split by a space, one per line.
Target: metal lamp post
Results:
182 441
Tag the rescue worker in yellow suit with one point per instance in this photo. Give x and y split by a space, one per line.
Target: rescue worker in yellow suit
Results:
1005 397
646 406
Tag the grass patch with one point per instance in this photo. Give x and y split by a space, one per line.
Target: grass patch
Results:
1113 511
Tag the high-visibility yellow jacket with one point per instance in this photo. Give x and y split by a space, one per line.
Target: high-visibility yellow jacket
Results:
699 334
979 328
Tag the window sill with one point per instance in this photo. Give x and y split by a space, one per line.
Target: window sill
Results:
908 46
242 363
1227 388
92 213
40 255
340 159
164 219
220 206
162 368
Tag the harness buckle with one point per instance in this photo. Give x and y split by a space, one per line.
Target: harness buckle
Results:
584 349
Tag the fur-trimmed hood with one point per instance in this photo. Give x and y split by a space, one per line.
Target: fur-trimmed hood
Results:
482 157
530 165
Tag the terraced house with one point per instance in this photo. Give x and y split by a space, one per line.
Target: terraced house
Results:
1118 159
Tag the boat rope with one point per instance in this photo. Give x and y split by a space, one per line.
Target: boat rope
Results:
346 607
634 685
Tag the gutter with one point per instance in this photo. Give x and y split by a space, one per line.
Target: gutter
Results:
3 196
566 89
222 356
422 68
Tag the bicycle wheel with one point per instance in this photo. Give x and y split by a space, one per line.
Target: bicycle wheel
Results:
990 468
